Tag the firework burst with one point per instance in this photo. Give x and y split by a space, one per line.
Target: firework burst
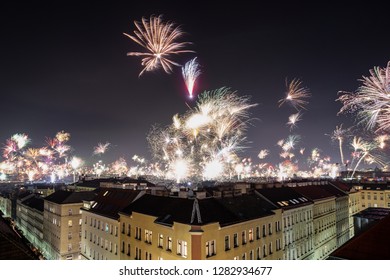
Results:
160 39
293 119
190 73
296 94
338 135
101 148
371 101
381 140
263 154
206 139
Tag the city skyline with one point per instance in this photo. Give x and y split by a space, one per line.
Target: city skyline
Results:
65 68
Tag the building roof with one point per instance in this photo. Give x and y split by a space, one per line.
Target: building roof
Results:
24 194
382 186
68 197
285 197
314 192
35 203
225 211
344 186
372 244
109 201
333 190
373 213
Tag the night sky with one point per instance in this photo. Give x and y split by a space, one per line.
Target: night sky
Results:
64 67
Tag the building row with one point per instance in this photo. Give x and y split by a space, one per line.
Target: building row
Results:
255 222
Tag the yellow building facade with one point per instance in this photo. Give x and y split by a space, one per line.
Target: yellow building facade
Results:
374 195
196 233
62 224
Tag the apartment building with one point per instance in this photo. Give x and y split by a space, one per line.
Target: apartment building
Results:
5 204
374 194
342 212
29 213
297 221
101 225
354 205
324 219
246 227
62 224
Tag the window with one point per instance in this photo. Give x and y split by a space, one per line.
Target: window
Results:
257 232
264 231
160 240
270 248
278 245
70 212
182 248
277 226
243 237
243 256
128 249
69 235
227 242
107 227
137 253
251 255
270 228
148 236
128 230
70 223
123 227
169 243
264 251
69 247
211 248
235 240
258 253
138 233
250 234
123 247
80 221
